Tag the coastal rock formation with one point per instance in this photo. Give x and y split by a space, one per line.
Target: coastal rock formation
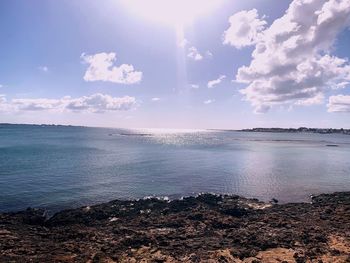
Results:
206 228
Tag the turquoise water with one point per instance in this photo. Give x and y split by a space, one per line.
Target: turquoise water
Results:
61 167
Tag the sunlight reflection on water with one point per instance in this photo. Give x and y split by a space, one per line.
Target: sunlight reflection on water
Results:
59 167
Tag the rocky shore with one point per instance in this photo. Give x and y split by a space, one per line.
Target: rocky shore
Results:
206 228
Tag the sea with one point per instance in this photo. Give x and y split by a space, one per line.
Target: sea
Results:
59 167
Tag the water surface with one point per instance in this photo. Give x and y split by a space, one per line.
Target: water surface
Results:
61 167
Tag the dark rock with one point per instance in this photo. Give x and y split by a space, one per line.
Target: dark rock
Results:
235 211
195 217
194 228
32 216
274 201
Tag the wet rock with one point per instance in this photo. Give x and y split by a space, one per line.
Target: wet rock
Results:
274 201
32 216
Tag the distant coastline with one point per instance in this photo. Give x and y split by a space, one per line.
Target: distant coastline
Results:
258 129
40 125
300 130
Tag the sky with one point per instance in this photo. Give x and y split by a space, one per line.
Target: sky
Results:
186 64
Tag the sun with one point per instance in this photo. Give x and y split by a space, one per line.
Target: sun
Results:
171 12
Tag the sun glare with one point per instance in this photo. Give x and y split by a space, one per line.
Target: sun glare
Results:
171 12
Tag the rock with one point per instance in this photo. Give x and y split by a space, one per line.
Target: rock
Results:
274 201
33 216
235 211
207 228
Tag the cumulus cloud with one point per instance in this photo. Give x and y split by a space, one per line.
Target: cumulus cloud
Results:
100 103
343 84
318 99
292 61
102 68
245 29
156 99
94 103
194 54
194 86
36 104
208 101
213 83
339 103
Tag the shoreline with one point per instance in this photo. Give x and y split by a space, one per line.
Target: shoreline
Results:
210 228
51 209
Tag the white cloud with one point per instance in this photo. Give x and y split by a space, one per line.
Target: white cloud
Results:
43 68
192 51
343 84
155 99
2 98
4 106
1 86
94 103
208 101
183 42
208 54
291 63
36 104
245 29
194 54
102 68
318 99
194 86
213 83
100 103
339 103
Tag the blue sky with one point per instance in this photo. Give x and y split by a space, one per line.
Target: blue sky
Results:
120 64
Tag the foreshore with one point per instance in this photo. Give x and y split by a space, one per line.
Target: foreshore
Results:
206 228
